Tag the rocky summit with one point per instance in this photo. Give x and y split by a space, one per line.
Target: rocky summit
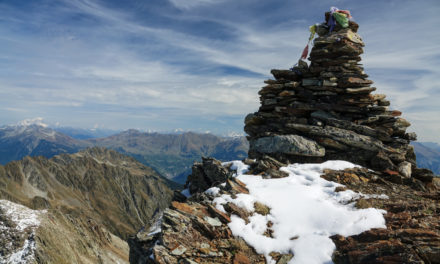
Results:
196 231
328 111
325 111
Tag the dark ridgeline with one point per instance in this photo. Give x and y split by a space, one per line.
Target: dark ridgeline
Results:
326 111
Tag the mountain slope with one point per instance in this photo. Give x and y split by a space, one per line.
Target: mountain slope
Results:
119 191
428 156
51 236
85 205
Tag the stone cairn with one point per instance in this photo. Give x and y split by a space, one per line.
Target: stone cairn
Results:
326 111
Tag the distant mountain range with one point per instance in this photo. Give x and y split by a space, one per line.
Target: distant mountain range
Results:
35 139
428 155
172 155
80 133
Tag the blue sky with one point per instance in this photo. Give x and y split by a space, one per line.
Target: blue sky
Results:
196 64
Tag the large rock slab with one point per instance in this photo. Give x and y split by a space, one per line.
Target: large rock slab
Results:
287 144
347 137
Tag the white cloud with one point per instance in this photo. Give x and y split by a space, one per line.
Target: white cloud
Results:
189 4
167 66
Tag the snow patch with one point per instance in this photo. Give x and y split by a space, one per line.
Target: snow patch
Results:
23 255
305 212
238 166
156 227
22 216
25 220
213 191
34 121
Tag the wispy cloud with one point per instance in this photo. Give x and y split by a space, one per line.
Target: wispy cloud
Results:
188 4
195 63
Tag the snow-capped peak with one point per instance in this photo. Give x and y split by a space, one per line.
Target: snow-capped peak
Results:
234 134
38 121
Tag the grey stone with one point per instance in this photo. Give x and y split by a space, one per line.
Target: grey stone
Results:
270 102
360 90
212 221
404 169
329 83
188 261
381 162
287 144
311 82
360 129
384 103
252 119
285 259
178 250
292 84
347 137
378 97
206 174
401 123
411 136
322 115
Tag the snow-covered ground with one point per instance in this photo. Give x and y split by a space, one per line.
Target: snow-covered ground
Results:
305 211
26 222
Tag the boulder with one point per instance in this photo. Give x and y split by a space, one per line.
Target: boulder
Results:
287 144
206 174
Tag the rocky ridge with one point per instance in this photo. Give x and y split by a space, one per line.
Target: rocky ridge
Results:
94 200
195 231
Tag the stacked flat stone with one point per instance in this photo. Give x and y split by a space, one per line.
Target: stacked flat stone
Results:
327 111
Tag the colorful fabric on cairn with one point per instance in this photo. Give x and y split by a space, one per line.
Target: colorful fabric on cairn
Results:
341 18
345 12
305 52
